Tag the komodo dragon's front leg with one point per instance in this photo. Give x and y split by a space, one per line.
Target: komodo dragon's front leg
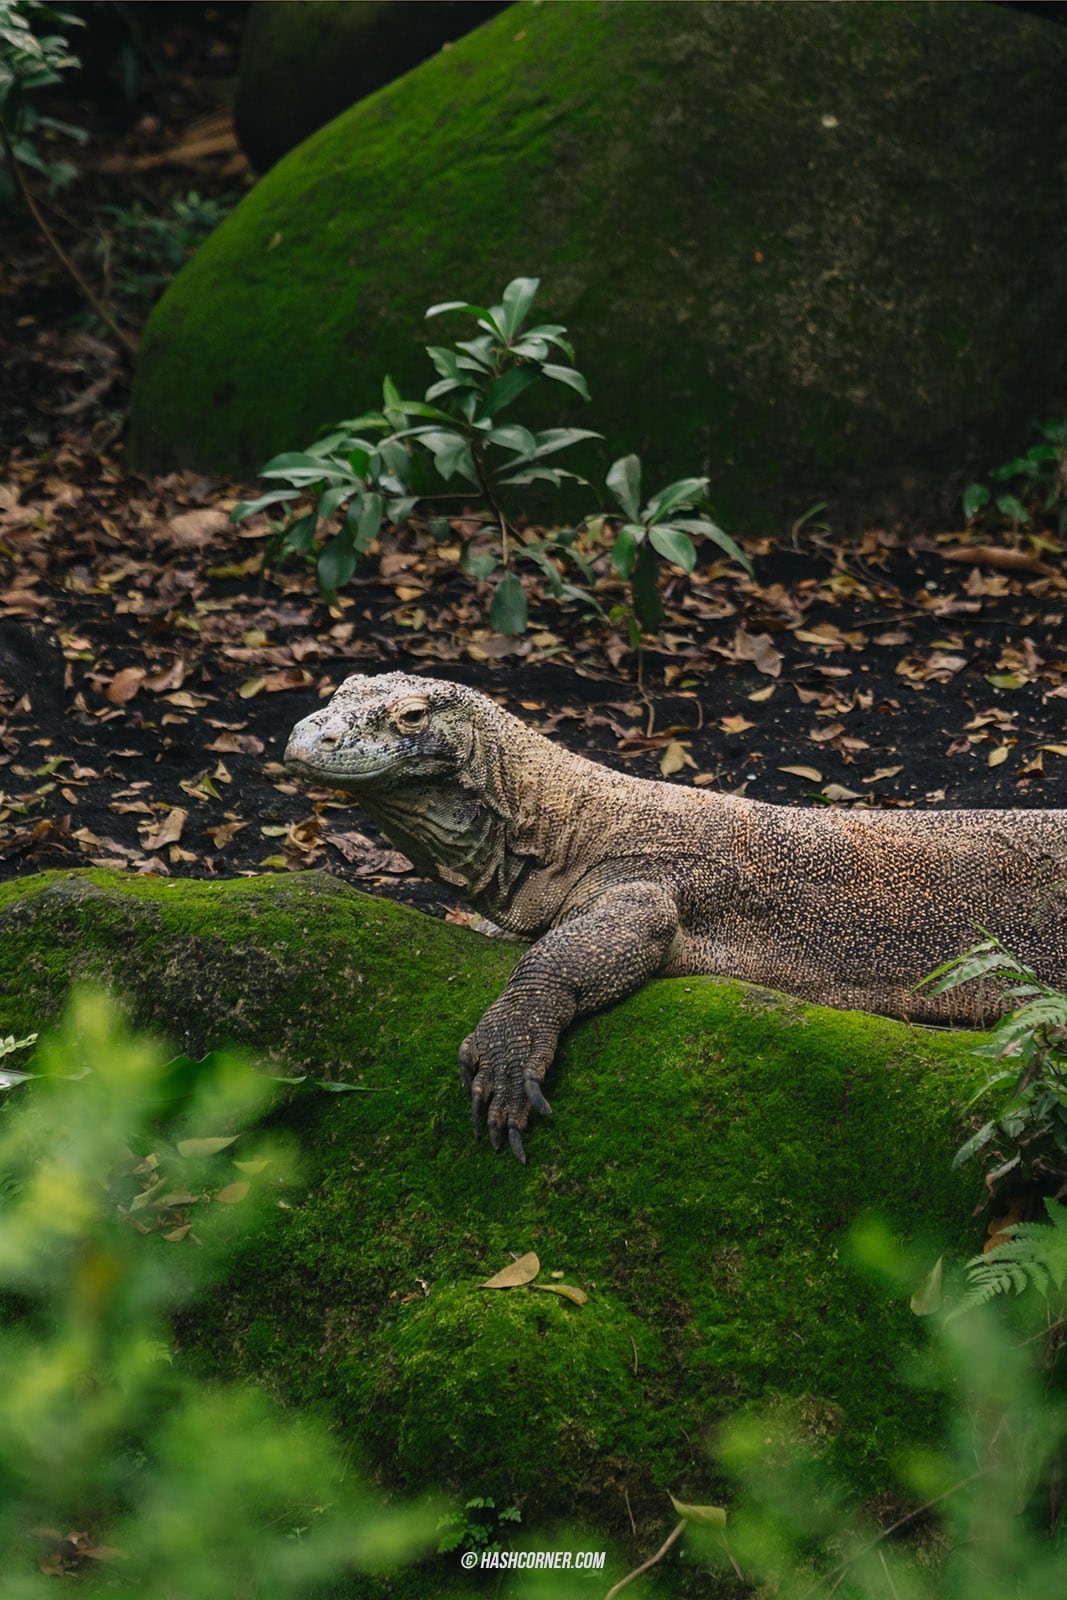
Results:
598 956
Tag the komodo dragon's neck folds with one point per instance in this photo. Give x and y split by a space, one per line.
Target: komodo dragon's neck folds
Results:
617 878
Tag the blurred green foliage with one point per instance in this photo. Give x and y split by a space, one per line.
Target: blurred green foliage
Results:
34 53
116 1465
976 1513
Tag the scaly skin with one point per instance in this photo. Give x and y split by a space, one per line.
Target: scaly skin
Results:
617 879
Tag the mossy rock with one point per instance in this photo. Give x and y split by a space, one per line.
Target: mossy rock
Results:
712 1147
304 61
786 240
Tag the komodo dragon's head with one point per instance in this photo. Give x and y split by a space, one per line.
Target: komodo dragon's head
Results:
381 733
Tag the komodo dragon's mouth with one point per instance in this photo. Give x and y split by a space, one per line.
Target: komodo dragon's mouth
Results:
305 756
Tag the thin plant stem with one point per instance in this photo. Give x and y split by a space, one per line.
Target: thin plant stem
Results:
838 1572
643 692
128 344
672 1538
487 490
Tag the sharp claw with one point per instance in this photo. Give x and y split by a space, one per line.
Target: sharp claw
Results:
466 1076
536 1098
477 1113
496 1137
515 1141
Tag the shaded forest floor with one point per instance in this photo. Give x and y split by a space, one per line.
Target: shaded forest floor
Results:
150 671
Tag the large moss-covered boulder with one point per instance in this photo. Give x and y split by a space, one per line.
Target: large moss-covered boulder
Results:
711 1148
814 251
304 61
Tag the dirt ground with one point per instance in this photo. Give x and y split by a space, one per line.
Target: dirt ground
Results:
150 670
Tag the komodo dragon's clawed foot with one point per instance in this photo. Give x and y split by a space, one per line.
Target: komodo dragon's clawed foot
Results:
502 1069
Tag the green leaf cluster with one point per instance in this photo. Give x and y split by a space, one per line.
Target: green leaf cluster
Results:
667 526
475 1526
349 479
140 249
34 54
1036 483
458 427
1028 1135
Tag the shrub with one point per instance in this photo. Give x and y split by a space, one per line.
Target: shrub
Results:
459 427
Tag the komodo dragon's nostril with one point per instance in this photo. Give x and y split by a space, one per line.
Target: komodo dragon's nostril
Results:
329 741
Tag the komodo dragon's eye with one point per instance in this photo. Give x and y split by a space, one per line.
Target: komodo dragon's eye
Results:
409 716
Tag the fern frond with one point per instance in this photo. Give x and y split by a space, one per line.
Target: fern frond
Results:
1035 1256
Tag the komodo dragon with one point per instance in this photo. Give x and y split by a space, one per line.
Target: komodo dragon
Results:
618 878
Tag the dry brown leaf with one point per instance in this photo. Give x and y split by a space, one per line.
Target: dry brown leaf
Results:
168 832
390 862
674 758
883 772
757 648
170 677
225 833
293 678
1016 1211
236 744
811 773
524 1270
737 724
125 684
997 757
192 530
943 666
988 555
823 633
893 636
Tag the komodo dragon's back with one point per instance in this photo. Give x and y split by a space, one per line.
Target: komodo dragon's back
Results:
618 879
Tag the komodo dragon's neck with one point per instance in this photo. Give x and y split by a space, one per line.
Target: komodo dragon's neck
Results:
511 811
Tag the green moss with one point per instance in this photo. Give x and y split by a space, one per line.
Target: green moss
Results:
711 1148
743 213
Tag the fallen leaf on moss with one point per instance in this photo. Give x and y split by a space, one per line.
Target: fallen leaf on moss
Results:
927 1297
708 1516
204 1147
579 1296
233 1192
524 1270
